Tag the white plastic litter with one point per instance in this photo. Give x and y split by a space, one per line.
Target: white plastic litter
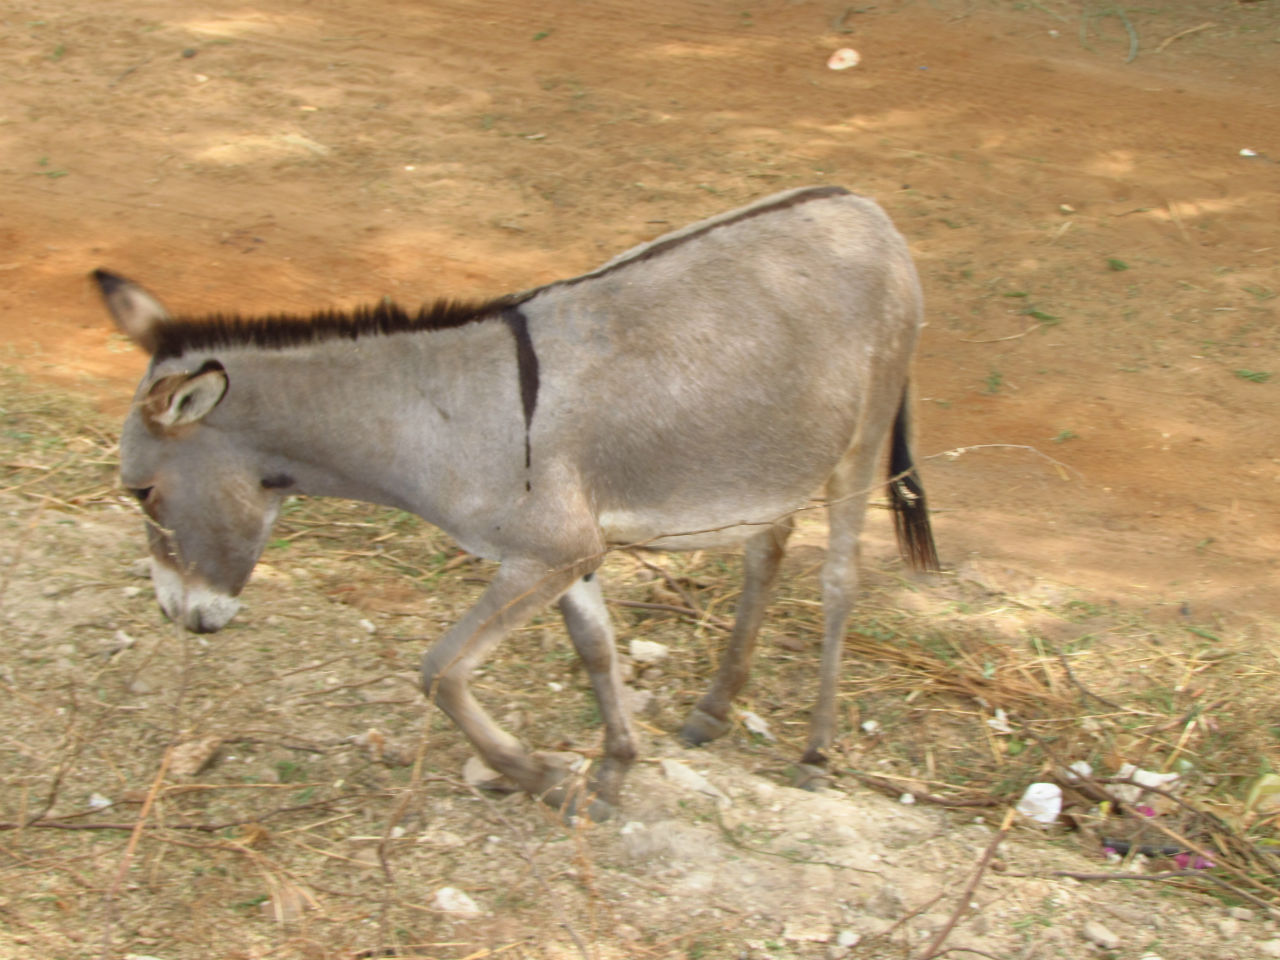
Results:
1041 802
1130 792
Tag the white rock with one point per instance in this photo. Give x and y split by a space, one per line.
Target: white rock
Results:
367 626
453 900
648 651
1241 913
847 938
98 802
677 772
757 725
1095 932
1270 948
1228 928
843 59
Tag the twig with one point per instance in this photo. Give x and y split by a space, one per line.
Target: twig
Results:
1184 33
689 612
878 783
1034 326
935 946
1269 908
127 859
957 451
1062 658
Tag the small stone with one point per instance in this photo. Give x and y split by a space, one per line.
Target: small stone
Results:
1228 928
847 939
648 651
453 900
367 626
98 802
1095 932
677 772
637 701
1270 948
1241 913
191 757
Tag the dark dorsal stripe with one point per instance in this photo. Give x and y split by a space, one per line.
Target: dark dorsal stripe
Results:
280 331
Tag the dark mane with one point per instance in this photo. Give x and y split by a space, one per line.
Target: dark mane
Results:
278 331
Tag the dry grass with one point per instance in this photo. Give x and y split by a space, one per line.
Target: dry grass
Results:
328 811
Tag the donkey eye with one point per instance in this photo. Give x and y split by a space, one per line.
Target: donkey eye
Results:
141 494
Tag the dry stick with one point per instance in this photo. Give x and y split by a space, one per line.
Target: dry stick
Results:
1184 33
1034 326
934 948
1267 907
110 897
1062 658
689 612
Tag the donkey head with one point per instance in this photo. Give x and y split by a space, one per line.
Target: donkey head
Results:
208 506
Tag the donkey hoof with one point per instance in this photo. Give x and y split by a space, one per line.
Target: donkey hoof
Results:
702 727
574 804
810 776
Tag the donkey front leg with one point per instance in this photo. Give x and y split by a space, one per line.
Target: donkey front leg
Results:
588 621
519 590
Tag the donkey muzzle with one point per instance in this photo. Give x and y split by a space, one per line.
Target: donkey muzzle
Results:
198 607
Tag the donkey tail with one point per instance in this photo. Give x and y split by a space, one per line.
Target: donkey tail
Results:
906 496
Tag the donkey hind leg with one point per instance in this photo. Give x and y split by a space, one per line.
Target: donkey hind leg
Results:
517 591
710 717
847 491
587 620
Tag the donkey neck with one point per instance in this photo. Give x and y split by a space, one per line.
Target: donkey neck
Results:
413 420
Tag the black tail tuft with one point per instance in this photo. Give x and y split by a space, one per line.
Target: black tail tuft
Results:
906 495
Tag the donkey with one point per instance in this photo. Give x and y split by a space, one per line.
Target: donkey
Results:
693 392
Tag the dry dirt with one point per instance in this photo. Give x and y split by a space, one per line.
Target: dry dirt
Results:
1092 197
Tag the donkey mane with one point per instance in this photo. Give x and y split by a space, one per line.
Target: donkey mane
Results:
279 331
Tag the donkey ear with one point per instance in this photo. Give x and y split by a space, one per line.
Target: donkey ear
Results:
137 313
183 398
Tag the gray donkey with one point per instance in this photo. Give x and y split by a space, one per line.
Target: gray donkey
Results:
693 392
